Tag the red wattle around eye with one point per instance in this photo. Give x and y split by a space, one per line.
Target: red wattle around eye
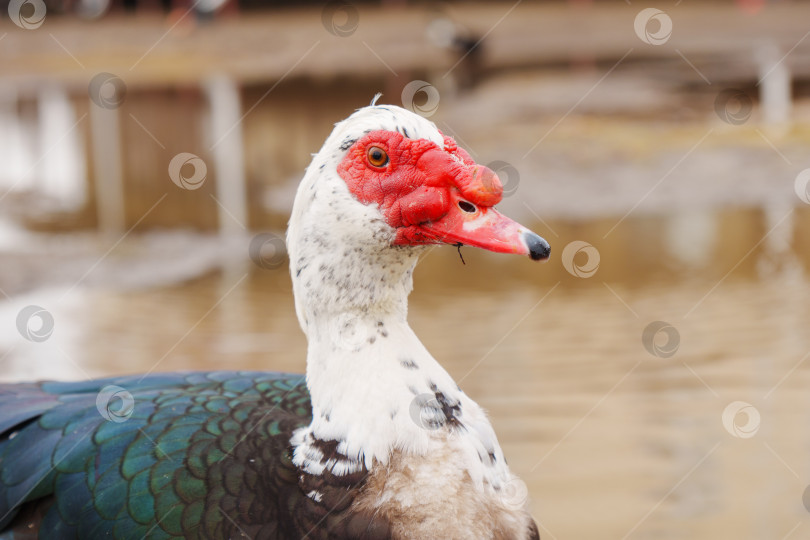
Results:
412 180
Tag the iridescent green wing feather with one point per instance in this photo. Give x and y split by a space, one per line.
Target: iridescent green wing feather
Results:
199 455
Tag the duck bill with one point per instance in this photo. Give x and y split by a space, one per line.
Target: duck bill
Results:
486 228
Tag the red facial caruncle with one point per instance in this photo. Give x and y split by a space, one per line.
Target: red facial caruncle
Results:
432 194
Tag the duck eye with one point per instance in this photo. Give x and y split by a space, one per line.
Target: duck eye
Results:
467 207
377 156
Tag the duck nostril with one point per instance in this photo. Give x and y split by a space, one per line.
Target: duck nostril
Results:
468 207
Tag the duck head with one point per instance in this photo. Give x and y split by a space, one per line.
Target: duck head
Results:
386 182
430 193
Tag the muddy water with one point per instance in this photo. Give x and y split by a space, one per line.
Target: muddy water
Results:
614 439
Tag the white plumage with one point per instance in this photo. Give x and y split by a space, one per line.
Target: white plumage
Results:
372 382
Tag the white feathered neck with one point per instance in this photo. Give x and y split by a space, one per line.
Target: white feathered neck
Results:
375 388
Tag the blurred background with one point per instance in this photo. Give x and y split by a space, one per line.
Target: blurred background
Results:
649 381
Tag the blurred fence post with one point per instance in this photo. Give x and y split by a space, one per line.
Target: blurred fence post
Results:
15 154
774 84
61 174
108 172
228 153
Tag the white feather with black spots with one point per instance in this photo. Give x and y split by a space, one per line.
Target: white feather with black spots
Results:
351 287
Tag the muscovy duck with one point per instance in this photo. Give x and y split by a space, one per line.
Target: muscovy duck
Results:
377 442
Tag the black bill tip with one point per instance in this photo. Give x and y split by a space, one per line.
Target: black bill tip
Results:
539 250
